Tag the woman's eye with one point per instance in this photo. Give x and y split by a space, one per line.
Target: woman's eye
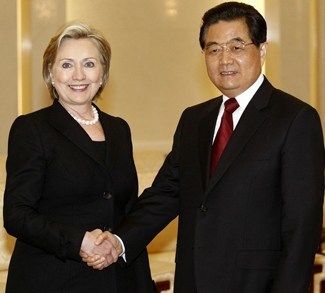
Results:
90 64
66 65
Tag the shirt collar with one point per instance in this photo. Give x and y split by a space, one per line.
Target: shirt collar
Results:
244 98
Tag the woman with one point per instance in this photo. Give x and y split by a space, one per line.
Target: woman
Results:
70 175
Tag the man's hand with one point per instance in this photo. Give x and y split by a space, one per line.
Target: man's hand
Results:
105 250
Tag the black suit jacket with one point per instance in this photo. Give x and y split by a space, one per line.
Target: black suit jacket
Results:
255 225
56 190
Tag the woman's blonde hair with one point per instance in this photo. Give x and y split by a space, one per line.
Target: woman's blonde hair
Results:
76 30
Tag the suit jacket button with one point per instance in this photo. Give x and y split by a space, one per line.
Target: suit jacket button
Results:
107 195
203 208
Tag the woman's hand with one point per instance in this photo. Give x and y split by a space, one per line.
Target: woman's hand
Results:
102 251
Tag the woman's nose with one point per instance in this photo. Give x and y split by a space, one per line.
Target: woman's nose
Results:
78 73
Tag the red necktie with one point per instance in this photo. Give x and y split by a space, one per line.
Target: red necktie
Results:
224 133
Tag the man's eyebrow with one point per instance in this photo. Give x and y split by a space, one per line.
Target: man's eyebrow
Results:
231 40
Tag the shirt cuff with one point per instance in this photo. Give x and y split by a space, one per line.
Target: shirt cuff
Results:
122 254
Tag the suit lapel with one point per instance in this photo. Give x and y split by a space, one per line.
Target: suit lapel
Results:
60 119
252 118
111 136
206 131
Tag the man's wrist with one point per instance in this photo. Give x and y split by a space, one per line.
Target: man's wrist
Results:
122 254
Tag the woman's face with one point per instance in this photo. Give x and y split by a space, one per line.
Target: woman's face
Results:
77 71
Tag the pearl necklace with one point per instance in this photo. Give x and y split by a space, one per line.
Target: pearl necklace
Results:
87 122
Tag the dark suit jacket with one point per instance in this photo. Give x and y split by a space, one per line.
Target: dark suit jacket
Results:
255 225
56 190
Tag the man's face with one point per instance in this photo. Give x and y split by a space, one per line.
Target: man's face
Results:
232 72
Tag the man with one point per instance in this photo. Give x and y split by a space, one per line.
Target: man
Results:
253 224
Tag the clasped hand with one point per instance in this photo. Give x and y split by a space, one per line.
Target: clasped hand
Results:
100 249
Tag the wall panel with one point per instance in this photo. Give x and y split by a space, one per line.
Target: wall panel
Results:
8 72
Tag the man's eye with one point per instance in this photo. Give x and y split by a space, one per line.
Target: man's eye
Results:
214 50
66 65
90 64
236 47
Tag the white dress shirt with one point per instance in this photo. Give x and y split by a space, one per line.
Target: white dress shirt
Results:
243 99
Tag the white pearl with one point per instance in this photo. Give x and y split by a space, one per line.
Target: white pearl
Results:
87 122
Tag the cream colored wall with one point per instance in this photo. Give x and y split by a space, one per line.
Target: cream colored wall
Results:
25 29
8 72
46 17
157 66
321 61
296 56
290 57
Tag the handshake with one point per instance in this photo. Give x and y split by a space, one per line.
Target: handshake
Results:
100 249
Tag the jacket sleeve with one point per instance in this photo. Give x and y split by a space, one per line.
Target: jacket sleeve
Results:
156 207
26 172
302 177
